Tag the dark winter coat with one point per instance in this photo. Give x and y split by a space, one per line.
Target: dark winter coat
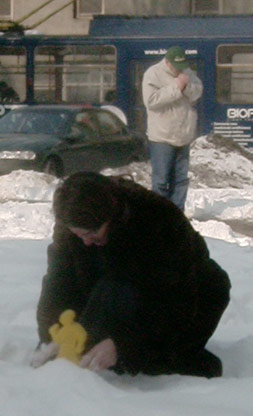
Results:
179 292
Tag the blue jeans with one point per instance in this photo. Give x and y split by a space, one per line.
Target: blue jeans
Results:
170 166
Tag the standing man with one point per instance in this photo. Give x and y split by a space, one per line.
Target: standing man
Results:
170 88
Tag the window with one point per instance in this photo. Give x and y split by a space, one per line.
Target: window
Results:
207 7
6 9
74 74
234 82
228 7
109 124
90 7
85 127
12 74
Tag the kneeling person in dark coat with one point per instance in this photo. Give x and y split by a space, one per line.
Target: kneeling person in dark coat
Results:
138 276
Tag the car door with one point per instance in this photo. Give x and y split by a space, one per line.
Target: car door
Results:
81 149
117 144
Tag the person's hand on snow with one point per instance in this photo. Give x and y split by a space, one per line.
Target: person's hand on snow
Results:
45 353
101 356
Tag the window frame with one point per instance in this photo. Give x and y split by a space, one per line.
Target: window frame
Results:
81 14
11 14
13 74
230 66
101 67
196 11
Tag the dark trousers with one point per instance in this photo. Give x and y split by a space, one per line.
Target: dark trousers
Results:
112 311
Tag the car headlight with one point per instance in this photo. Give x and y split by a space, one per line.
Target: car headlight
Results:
20 155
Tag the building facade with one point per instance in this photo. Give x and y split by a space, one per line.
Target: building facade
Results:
63 17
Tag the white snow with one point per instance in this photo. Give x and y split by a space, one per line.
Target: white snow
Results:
220 196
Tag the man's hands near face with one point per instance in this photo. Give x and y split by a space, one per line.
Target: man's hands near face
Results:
182 80
102 356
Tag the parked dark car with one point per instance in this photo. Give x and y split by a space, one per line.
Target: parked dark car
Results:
61 140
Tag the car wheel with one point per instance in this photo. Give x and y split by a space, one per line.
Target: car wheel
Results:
53 166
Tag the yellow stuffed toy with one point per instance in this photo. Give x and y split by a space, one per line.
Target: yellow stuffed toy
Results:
70 336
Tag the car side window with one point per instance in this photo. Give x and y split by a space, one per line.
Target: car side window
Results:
84 126
37 123
109 124
11 122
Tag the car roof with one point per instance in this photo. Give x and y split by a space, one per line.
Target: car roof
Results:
55 107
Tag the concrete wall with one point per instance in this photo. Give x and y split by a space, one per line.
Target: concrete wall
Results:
147 7
238 6
65 22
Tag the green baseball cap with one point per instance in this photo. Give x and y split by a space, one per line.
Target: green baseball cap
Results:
176 56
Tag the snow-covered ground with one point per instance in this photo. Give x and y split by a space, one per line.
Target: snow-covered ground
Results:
219 204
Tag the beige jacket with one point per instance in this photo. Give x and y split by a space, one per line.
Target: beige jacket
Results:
171 116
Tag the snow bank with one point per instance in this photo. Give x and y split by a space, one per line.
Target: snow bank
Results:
221 190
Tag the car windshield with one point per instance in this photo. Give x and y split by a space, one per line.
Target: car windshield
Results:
34 122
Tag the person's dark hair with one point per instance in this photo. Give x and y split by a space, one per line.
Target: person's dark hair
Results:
86 200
